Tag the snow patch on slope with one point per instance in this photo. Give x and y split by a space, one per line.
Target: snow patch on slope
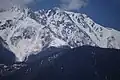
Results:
57 43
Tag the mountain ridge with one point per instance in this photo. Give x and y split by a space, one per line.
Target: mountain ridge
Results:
83 63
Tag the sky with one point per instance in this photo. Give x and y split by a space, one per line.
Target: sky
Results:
103 12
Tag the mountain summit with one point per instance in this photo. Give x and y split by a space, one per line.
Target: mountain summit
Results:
25 32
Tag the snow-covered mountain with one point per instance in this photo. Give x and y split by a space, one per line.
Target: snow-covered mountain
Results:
25 32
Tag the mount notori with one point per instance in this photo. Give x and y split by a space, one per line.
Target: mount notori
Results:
25 32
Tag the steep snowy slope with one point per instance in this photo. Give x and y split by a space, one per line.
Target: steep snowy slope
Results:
26 32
